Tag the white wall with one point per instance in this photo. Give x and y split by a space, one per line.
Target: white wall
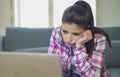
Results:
108 12
61 5
5 15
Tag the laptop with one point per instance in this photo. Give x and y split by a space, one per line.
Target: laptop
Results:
15 64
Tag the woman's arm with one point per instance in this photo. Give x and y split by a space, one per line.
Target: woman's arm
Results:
55 41
52 46
90 66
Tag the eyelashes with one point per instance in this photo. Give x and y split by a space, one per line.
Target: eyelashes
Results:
75 34
64 31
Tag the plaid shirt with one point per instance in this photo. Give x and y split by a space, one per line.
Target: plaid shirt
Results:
86 66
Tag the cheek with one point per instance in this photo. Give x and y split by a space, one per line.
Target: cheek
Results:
76 38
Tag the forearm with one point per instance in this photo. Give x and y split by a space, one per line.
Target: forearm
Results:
84 65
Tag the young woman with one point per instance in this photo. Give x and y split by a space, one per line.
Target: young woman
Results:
80 45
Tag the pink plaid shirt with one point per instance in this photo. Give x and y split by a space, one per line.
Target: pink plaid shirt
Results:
86 66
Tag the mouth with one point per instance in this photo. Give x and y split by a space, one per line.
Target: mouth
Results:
69 44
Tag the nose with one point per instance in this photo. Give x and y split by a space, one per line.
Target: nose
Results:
69 38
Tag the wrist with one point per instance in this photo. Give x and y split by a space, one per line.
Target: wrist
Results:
79 50
78 45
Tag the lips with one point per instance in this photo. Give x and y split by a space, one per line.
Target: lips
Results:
69 44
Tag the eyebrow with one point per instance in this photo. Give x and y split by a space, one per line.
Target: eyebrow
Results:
73 32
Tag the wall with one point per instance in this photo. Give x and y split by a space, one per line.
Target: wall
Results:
108 12
5 15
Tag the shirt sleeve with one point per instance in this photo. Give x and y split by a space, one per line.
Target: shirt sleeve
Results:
53 46
90 66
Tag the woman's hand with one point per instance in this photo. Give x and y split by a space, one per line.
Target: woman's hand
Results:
85 37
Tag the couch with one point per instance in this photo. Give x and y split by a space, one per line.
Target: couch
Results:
19 39
36 40
113 54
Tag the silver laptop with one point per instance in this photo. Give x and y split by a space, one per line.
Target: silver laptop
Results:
29 65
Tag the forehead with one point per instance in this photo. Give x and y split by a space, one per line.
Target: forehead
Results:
71 27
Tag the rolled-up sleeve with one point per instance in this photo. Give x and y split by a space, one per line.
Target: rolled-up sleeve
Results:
90 66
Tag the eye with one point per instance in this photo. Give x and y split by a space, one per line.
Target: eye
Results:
76 34
64 31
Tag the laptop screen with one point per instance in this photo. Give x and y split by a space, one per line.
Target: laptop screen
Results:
29 65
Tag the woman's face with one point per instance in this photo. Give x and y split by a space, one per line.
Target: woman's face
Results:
71 33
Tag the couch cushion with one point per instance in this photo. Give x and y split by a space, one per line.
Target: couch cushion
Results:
113 54
1 42
33 50
112 31
115 72
17 37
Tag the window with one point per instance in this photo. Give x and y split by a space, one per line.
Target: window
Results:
32 13
43 13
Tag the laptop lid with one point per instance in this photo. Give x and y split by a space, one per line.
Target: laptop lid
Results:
29 65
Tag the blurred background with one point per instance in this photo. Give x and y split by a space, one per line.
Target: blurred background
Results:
48 13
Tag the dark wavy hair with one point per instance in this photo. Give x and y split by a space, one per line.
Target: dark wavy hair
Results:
81 14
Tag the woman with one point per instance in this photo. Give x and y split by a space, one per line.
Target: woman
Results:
80 45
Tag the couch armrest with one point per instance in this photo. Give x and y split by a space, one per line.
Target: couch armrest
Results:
1 42
33 50
113 54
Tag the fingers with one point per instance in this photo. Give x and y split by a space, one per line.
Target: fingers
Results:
88 35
